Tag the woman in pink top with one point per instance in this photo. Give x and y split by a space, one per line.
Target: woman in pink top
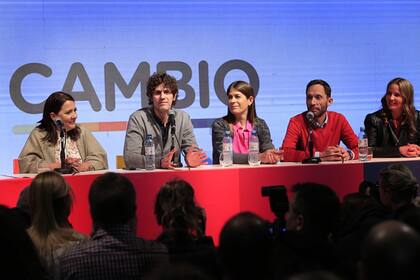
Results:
240 120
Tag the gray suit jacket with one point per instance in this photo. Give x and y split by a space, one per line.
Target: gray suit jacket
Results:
142 123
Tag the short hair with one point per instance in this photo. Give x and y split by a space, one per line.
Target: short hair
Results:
245 244
161 78
319 205
390 251
112 200
175 208
323 83
400 181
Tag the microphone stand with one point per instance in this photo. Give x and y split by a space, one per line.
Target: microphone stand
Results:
173 142
311 158
65 168
175 160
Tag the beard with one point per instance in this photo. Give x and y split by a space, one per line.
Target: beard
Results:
318 112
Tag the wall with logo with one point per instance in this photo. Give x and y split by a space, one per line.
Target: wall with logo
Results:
102 52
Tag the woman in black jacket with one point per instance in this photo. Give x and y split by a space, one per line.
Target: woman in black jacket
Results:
394 130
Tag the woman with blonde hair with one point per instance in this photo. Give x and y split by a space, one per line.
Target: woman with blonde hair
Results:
394 130
50 200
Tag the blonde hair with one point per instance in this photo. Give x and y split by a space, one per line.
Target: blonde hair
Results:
50 200
409 111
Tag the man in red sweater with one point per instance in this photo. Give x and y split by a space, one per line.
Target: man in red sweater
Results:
326 129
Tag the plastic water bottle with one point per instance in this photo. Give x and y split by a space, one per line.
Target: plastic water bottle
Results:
363 145
227 150
254 149
149 147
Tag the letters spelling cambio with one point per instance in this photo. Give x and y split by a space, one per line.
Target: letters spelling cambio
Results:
113 79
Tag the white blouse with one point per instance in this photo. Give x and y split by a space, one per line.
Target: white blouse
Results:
71 150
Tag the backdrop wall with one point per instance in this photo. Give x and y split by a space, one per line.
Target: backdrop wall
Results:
103 52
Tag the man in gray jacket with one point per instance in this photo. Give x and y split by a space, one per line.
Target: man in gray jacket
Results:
171 130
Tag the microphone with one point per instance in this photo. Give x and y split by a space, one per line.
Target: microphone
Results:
59 124
171 119
171 122
65 168
310 117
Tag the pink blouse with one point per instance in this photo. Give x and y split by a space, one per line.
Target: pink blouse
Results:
241 138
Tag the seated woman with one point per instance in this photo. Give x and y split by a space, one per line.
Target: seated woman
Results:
240 120
50 200
42 149
183 224
394 130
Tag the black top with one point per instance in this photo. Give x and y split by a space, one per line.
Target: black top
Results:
185 248
297 252
164 130
383 137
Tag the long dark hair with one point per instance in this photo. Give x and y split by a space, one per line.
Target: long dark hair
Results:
409 111
53 104
247 90
175 208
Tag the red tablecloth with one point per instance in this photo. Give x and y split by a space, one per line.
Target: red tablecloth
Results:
223 192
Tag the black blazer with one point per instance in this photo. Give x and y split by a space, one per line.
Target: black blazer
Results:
384 140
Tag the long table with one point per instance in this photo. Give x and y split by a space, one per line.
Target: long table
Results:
223 192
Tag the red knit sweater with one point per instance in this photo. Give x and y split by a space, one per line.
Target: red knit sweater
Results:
337 128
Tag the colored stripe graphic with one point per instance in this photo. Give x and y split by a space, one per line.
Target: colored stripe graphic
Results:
108 126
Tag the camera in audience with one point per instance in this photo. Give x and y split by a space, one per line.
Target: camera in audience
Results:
279 205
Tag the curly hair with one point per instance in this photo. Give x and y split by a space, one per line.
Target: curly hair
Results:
161 78
53 104
175 208
409 111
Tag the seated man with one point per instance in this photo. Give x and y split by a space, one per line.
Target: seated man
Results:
171 130
306 245
245 247
390 251
324 129
114 251
398 188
